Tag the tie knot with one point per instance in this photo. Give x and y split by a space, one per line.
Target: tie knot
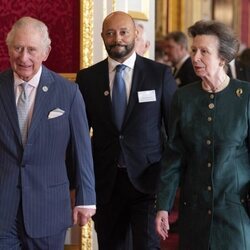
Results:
24 84
24 87
120 68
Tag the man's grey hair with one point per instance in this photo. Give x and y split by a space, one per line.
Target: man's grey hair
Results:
35 24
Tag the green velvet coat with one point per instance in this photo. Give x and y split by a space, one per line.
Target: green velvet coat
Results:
208 155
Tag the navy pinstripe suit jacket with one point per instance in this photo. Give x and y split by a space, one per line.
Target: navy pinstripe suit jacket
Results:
36 176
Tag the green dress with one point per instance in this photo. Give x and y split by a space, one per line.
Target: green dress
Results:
208 155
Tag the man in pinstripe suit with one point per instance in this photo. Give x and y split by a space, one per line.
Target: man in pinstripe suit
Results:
35 204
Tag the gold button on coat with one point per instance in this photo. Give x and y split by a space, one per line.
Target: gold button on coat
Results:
211 106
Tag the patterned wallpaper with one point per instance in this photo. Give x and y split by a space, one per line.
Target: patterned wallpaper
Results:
63 20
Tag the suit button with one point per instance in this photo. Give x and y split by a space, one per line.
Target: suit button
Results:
208 142
209 119
209 165
209 188
211 96
121 137
209 212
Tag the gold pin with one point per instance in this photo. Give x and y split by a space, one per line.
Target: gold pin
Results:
239 92
106 93
210 105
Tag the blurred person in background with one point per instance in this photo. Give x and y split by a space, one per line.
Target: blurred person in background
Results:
239 68
176 48
142 43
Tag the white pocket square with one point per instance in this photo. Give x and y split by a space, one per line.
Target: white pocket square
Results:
55 113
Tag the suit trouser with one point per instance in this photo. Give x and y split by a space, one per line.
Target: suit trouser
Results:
17 239
127 210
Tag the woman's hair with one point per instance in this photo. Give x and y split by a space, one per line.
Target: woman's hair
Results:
228 42
34 23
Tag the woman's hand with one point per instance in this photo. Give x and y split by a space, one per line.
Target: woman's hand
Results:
162 224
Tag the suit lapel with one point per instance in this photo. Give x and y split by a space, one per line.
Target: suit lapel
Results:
7 97
43 96
105 90
104 97
137 81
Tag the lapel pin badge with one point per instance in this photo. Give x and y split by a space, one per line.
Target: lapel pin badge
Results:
106 93
239 92
45 88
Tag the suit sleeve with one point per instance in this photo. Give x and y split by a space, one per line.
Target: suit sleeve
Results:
82 153
173 161
169 88
81 79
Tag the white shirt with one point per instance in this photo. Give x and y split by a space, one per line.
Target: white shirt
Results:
233 68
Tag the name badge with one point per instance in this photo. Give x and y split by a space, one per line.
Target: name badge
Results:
146 96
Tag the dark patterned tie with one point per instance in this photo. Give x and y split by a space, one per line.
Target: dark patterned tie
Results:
174 71
119 97
23 112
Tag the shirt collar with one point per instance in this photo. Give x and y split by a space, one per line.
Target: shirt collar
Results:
32 82
130 62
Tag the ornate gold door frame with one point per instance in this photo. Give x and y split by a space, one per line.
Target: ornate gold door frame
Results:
86 59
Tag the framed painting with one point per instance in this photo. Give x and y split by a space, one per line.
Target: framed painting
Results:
139 9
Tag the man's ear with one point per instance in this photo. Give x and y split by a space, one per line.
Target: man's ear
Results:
46 53
136 34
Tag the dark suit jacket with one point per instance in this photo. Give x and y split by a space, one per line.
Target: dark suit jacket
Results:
36 175
186 74
140 138
242 71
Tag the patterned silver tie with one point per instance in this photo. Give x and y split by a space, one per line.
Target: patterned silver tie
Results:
23 111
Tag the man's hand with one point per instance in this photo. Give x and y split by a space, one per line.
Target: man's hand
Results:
81 216
162 224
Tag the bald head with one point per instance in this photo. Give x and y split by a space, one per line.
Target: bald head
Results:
119 34
118 15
